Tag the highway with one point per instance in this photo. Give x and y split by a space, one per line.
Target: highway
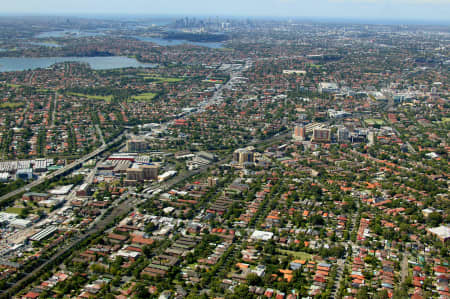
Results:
60 171
100 134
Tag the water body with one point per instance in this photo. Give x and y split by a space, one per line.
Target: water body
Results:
9 64
67 33
166 42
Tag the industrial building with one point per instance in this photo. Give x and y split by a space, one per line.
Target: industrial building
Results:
44 233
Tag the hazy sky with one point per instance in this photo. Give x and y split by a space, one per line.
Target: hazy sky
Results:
438 10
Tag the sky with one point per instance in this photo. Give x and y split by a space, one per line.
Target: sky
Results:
423 10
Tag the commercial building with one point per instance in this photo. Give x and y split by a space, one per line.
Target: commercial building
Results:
123 156
84 190
4 176
337 113
166 175
33 196
442 233
295 72
24 174
328 87
61 190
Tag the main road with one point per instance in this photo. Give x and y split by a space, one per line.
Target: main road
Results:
216 98
124 207
119 210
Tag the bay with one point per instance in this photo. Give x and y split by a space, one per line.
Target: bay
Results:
9 64
177 42
67 33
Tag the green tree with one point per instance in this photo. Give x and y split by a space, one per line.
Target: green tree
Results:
254 280
141 291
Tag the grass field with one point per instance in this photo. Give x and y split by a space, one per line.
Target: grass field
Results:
315 65
14 210
161 79
296 254
148 96
13 85
11 105
446 119
373 121
103 98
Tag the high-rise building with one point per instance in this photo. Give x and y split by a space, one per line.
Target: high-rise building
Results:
343 134
137 145
371 138
150 172
142 173
212 182
243 155
299 133
321 135
135 174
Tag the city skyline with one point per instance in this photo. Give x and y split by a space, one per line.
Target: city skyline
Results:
394 10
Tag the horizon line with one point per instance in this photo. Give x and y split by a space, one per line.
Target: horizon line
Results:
378 21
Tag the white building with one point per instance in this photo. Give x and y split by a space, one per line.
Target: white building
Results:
329 87
261 235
